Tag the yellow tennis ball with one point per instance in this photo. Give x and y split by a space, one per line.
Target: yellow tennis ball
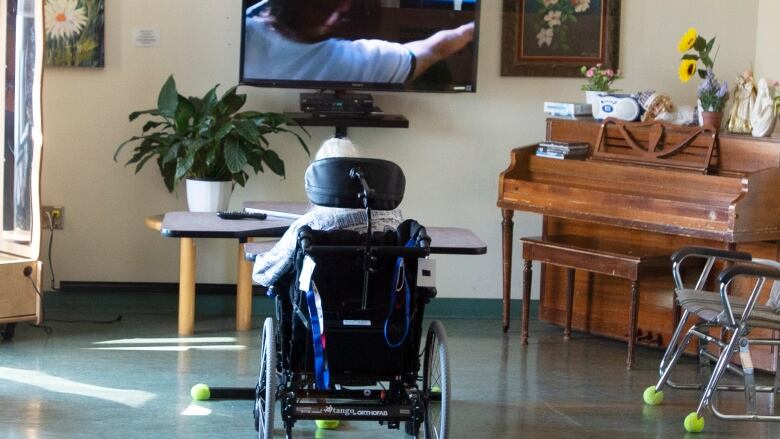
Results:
328 424
435 389
693 423
652 397
200 392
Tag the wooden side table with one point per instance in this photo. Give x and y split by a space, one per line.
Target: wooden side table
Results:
601 256
190 225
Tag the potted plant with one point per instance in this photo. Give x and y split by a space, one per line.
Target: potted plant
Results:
712 94
599 81
208 142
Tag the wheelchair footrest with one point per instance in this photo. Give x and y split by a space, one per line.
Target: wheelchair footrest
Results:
354 412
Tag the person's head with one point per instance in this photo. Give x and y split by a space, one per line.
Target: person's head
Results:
308 20
336 147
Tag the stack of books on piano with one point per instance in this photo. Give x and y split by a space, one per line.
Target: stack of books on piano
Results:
562 150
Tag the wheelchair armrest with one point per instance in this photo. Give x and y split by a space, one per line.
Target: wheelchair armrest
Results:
706 252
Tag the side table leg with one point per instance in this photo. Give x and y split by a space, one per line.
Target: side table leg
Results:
632 323
526 300
187 258
506 243
569 302
243 292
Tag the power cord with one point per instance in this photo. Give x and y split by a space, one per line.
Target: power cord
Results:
47 329
51 243
28 272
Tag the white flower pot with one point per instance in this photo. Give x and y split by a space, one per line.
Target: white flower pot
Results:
208 196
591 97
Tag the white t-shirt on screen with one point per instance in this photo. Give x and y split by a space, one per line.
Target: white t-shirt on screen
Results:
270 55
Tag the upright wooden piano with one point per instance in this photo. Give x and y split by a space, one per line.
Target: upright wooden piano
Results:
736 205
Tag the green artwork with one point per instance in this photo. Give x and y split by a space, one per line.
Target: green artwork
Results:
74 33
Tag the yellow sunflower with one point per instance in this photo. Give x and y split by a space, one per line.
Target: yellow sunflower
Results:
688 40
687 69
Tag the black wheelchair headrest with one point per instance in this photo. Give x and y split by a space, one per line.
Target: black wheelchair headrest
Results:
332 182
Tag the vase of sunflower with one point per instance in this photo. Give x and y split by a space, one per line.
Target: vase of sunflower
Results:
712 93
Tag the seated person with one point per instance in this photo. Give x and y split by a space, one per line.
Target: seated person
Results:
271 266
293 40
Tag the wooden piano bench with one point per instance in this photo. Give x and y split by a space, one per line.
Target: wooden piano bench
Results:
596 255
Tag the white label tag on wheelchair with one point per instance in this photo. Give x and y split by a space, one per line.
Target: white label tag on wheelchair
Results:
356 322
426 272
306 271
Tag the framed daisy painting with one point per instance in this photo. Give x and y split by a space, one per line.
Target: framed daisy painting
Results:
558 37
74 33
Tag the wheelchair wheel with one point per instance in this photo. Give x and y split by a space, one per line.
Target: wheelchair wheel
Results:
265 391
436 383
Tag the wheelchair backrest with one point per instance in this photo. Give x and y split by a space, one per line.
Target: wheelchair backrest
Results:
339 277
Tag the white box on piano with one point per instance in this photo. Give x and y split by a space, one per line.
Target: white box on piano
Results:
567 109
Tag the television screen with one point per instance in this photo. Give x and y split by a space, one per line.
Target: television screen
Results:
415 45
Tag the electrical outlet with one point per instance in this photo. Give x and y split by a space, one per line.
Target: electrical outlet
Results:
56 213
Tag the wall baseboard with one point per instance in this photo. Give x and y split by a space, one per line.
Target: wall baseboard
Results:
220 300
149 288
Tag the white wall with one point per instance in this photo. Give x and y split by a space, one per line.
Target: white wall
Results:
452 153
767 32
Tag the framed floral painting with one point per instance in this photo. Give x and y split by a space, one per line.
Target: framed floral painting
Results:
558 37
74 33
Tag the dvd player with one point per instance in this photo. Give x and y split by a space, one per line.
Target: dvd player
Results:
356 103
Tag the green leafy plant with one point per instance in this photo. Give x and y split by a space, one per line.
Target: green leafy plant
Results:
207 138
599 79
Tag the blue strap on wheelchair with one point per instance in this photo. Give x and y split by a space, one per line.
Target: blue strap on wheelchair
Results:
399 281
321 372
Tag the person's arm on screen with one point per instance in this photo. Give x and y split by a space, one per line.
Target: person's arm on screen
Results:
439 46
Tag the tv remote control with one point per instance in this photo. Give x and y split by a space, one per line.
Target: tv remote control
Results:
240 214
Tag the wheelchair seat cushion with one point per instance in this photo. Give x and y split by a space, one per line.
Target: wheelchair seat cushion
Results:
328 182
709 306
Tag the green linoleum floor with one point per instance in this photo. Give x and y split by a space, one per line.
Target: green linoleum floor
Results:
131 379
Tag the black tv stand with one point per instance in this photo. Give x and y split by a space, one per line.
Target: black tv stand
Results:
342 121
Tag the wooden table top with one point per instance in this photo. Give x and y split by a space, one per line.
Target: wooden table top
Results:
209 225
444 240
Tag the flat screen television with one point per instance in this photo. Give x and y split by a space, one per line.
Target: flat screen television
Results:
401 45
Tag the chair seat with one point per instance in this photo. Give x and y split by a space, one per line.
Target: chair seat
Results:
708 306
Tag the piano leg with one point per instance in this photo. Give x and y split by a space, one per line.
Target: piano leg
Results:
526 300
569 302
632 323
506 240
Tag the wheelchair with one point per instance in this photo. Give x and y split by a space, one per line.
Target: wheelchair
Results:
359 291
725 331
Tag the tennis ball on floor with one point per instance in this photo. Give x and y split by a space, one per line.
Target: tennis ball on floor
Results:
200 392
652 397
435 389
693 423
328 424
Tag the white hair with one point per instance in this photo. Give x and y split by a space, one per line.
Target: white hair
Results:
336 147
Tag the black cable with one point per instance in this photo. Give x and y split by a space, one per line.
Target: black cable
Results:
51 242
118 318
46 329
